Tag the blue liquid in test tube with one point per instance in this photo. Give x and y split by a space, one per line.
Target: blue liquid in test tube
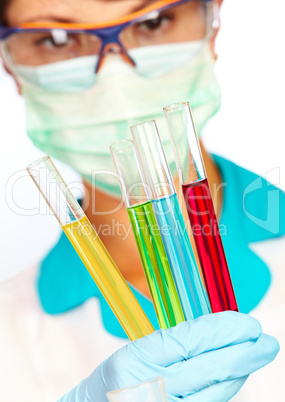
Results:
155 173
180 256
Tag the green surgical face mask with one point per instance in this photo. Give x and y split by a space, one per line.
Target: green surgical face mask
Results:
75 116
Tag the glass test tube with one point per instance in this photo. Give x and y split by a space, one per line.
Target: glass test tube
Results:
148 391
150 246
155 172
200 207
90 249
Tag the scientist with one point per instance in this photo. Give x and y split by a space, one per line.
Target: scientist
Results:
87 71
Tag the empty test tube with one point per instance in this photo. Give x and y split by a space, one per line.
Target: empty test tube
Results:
90 249
152 390
155 172
200 207
150 246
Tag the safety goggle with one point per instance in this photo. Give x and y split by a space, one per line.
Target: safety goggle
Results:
165 22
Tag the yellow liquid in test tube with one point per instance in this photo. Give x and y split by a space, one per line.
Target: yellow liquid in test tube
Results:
108 278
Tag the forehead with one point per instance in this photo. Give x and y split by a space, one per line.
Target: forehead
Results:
20 11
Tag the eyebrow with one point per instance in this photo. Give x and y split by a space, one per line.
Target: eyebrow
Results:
52 18
144 3
61 20
141 6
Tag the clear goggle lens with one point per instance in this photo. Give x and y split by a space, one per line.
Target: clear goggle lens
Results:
187 22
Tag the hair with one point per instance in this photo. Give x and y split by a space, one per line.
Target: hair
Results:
3 7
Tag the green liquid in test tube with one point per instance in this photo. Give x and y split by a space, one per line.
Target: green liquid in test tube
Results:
148 239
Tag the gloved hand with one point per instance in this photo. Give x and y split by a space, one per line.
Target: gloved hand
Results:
207 359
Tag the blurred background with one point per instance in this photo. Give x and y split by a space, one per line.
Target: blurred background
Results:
249 129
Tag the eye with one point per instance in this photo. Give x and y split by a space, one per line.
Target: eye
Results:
56 40
156 23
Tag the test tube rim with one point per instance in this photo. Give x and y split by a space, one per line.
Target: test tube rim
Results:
38 162
144 123
175 106
120 142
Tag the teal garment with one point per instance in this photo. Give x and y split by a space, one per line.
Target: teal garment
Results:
64 283
253 210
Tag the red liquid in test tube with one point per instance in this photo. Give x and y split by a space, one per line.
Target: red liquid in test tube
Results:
209 246
200 207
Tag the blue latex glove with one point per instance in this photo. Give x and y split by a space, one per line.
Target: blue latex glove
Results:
207 359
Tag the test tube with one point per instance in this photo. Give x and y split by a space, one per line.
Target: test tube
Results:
149 243
155 172
147 391
90 248
200 207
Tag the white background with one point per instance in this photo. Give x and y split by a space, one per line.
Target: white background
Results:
249 129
